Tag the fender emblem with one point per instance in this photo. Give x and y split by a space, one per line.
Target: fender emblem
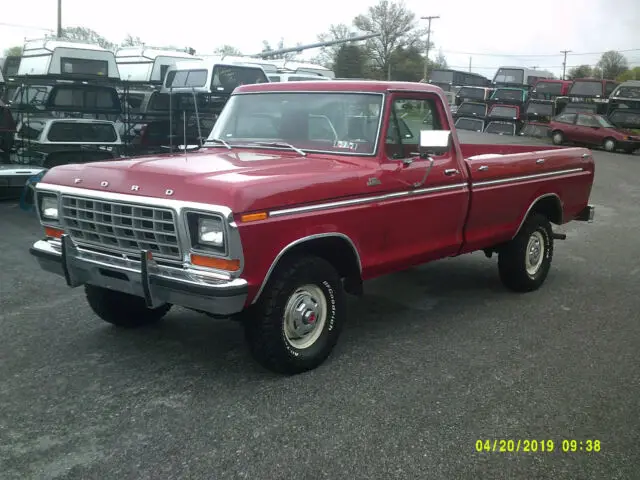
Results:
104 184
135 188
168 192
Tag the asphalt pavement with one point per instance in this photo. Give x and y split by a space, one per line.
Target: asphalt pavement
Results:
433 360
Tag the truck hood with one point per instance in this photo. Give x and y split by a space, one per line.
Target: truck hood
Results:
243 180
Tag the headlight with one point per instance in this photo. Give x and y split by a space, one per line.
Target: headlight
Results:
210 232
49 207
207 232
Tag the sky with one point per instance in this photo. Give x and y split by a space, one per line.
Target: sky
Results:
491 34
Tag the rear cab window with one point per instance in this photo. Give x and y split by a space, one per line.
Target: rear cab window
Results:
88 132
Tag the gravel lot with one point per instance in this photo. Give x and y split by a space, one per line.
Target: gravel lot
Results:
434 359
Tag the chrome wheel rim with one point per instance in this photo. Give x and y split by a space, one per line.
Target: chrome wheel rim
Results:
608 145
557 138
305 315
535 253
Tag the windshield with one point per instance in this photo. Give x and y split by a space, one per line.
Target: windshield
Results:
472 124
472 109
187 78
89 132
36 96
440 76
475 93
626 118
604 122
509 75
501 128
500 111
226 77
505 94
540 108
628 92
586 88
70 97
322 121
552 88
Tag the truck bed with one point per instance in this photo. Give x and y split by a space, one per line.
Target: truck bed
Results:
507 179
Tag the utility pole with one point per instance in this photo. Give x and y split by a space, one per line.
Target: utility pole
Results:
59 18
564 63
426 60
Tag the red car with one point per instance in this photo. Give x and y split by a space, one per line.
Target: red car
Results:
593 130
303 191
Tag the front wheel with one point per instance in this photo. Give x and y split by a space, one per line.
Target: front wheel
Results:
121 309
525 261
609 144
297 320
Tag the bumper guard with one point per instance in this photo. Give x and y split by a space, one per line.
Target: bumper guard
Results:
142 277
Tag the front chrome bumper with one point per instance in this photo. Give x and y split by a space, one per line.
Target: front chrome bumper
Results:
157 284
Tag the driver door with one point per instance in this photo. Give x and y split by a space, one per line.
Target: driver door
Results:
426 223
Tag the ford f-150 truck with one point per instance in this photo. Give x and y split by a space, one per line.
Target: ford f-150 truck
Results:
302 191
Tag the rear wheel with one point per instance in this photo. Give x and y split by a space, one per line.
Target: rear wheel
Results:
122 309
557 137
609 144
297 320
524 262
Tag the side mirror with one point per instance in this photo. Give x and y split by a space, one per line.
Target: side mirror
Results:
436 142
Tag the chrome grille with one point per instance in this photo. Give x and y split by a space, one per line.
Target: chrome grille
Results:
119 226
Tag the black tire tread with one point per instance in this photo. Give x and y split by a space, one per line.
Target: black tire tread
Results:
511 264
263 323
122 309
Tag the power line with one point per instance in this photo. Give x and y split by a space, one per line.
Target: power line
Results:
534 55
29 27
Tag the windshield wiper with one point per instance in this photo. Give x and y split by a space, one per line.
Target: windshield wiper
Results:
218 140
281 144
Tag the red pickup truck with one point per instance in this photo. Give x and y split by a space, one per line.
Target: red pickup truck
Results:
302 191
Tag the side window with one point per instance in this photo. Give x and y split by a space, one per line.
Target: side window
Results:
566 118
586 121
609 88
407 118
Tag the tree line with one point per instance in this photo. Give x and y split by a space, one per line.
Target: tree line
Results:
398 53
612 65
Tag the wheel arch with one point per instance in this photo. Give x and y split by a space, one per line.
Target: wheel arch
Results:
549 205
335 247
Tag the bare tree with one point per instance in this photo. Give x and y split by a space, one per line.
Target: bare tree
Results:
613 64
131 41
13 51
397 27
328 55
228 50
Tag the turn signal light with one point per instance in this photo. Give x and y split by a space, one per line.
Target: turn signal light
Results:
217 263
253 217
53 232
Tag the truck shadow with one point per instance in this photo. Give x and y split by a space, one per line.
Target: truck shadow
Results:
425 296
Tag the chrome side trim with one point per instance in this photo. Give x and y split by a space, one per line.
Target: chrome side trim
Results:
534 176
526 215
298 242
364 200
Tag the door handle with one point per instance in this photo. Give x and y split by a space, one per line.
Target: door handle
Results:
483 168
540 161
451 171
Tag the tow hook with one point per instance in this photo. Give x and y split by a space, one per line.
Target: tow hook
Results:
559 236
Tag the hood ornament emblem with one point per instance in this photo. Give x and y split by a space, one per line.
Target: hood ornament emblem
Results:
168 192
77 180
135 188
104 184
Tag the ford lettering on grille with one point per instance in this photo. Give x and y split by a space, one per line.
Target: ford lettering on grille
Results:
121 227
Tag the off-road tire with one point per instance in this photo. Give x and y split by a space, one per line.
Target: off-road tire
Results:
121 309
557 137
512 258
264 322
609 144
